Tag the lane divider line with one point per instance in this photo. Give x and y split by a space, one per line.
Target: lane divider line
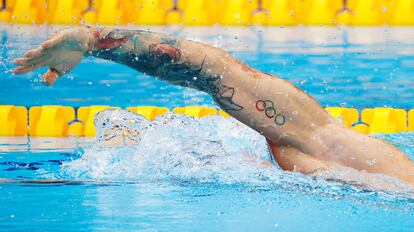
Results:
62 121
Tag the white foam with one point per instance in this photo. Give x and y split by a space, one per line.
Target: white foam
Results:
210 149
183 149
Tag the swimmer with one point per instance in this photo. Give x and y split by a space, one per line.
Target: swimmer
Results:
302 135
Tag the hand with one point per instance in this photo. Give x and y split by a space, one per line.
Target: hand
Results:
61 52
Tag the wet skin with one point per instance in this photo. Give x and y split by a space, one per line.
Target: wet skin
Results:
302 135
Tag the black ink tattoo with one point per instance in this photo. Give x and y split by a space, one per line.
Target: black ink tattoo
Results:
160 56
183 74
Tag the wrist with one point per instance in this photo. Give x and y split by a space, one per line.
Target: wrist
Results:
91 39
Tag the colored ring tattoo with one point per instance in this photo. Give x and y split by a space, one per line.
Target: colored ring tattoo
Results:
269 109
278 121
260 105
270 112
269 103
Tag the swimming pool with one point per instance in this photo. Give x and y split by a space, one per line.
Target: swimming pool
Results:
177 178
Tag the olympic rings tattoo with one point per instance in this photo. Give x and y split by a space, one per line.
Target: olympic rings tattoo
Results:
268 107
280 119
270 112
260 105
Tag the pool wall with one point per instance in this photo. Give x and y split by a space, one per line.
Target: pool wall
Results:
210 12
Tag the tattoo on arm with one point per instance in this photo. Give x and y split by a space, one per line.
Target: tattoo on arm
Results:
269 109
161 56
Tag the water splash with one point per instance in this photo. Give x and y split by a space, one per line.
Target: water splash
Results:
172 147
181 149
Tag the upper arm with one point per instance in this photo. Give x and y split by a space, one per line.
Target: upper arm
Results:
240 90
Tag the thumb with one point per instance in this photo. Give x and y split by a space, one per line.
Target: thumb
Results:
50 76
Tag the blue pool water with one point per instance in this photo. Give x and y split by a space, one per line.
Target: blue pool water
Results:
175 178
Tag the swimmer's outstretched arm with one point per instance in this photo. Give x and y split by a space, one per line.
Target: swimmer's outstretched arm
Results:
302 134
270 105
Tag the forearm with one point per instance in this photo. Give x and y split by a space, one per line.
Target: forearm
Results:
177 61
154 54
137 49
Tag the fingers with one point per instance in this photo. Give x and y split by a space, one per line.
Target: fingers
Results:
33 53
52 41
28 64
24 61
25 69
30 58
51 76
